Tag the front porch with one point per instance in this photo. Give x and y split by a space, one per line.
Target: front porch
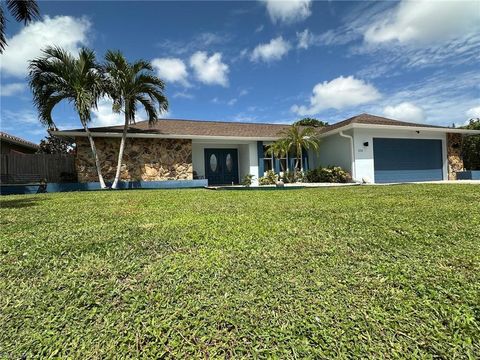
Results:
227 162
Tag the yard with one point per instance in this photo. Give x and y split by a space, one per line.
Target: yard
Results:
374 271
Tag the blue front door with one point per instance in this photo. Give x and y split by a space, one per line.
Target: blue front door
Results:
405 160
221 166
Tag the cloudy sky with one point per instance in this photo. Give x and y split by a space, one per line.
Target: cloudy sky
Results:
266 61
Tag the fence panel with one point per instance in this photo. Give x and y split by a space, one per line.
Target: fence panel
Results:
18 168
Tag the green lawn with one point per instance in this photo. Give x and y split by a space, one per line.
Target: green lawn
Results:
390 271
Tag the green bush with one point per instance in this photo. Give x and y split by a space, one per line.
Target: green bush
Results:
331 174
290 177
247 180
270 178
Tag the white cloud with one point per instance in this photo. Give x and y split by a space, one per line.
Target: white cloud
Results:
405 111
104 116
259 29
65 31
474 112
11 89
274 50
288 11
23 117
339 93
443 98
232 102
425 21
209 70
305 39
197 42
171 70
183 95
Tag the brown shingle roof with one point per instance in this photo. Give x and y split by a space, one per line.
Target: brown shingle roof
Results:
199 128
16 140
373 120
238 129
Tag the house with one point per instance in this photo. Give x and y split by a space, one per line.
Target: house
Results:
10 144
371 148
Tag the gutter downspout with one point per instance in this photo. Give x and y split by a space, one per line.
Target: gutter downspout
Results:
352 153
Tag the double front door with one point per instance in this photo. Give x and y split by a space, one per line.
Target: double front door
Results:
221 166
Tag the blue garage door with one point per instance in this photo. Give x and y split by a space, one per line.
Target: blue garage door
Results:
403 160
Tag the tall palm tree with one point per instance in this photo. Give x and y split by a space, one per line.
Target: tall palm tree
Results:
298 138
129 85
278 149
21 10
56 76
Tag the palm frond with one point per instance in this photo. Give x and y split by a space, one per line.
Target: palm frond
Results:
141 65
149 108
45 111
23 10
3 39
57 75
130 83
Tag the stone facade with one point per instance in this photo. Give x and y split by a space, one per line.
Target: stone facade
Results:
454 154
143 159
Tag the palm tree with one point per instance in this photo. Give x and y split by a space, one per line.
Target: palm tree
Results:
21 10
130 84
297 138
58 76
278 149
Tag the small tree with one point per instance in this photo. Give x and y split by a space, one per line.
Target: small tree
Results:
471 147
278 149
52 144
131 85
311 122
297 138
57 76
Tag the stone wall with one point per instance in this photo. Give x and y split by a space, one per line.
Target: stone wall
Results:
143 159
454 154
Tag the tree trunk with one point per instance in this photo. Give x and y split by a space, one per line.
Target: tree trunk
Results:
301 160
95 156
120 153
296 165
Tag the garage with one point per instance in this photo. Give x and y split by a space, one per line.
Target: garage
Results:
407 160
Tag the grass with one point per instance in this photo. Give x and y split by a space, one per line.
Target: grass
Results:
379 272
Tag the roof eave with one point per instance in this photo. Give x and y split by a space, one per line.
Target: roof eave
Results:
20 143
417 128
399 127
162 136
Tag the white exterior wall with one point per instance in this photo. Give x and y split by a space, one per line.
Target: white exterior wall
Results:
364 164
253 161
247 155
333 150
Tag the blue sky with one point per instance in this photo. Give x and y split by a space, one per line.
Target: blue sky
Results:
266 61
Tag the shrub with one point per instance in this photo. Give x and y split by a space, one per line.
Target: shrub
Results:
247 180
270 178
331 174
290 177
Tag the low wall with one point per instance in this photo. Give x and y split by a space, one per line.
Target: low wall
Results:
468 175
89 186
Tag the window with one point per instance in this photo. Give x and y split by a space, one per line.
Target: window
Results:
267 159
213 163
229 162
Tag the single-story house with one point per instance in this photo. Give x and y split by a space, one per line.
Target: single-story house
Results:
371 148
10 144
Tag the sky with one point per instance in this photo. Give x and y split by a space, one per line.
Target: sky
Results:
264 61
